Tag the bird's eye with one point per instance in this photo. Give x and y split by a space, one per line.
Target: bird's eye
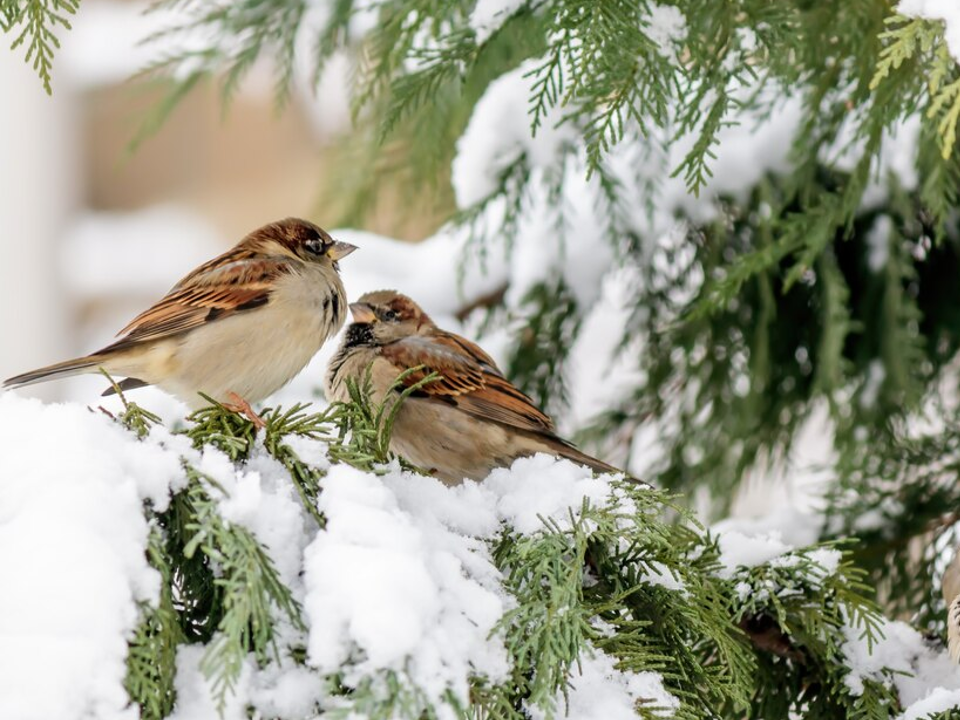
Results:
315 246
390 315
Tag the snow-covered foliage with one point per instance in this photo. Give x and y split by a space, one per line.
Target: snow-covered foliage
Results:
723 247
405 598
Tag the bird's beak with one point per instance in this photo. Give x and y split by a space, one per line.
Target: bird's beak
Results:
362 313
340 250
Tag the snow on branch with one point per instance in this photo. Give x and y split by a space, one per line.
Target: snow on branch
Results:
210 571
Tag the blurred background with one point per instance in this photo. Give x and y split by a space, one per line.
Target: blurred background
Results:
95 229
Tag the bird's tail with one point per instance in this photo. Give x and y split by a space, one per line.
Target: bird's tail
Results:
53 372
569 452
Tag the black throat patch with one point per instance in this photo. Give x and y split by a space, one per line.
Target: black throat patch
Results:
358 335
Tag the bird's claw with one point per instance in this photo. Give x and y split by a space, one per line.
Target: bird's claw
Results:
240 406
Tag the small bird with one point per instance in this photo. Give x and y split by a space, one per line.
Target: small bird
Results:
462 425
237 328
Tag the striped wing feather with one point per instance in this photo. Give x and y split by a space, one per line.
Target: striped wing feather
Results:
234 282
469 378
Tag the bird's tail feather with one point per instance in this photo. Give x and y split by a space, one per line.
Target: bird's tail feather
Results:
53 372
571 453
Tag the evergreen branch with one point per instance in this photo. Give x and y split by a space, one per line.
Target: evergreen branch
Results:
365 424
134 418
904 42
248 583
39 20
152 656
226 430
437 68
832 366
599 565
552 321
547 86
694 167
305 478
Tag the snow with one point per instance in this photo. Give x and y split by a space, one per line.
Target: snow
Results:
923 668
400 582
72 543
827 558
261 497
599 340
488 16
876 374
938 700
195 698
600 692
666 27
946 10
388 591
562 231
742 551
494 138
780 539
544 487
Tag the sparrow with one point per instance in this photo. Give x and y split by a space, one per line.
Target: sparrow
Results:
463 424
236 329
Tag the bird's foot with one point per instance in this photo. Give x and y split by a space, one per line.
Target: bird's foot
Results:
240 406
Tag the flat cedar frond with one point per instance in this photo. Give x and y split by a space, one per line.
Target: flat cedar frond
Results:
35 24
363 439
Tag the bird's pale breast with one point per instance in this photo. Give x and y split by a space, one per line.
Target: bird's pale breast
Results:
257 352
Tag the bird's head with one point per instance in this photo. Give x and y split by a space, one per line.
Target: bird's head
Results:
302 240
390 315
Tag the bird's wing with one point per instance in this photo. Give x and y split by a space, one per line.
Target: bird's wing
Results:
234 282
468 379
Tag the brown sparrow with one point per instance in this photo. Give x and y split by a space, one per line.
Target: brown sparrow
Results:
462 425
237 328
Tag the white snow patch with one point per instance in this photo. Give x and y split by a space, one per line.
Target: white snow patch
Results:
195 698
499 132
924 666
827 558
544 487
744 551
388 590
72 552
667 26
938 700
876 374
488 15
659 574
601 692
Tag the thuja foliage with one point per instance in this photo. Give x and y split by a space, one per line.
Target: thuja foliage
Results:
34 25
623 578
